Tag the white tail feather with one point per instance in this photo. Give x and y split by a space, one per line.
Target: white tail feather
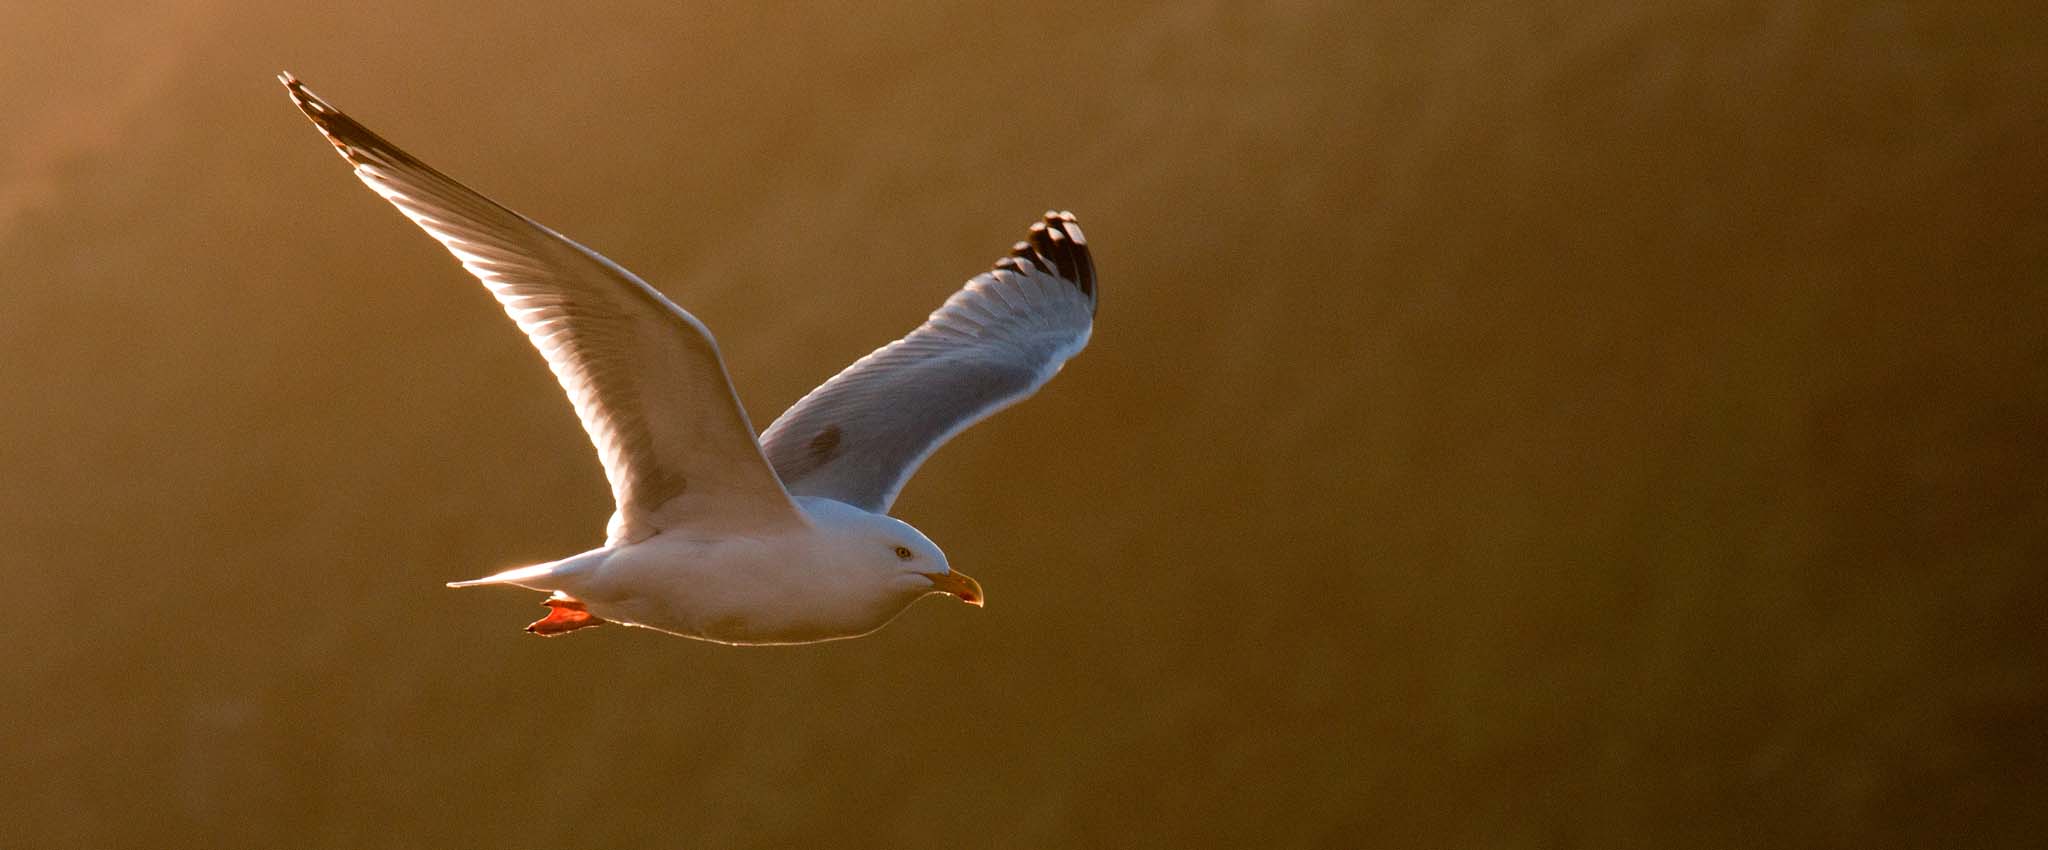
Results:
516 576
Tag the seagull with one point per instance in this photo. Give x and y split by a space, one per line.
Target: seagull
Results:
719 535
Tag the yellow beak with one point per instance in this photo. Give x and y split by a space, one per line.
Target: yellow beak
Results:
958 584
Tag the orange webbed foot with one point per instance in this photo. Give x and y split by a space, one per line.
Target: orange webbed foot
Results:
565 615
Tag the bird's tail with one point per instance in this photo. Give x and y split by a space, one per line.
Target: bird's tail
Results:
548 576
518 576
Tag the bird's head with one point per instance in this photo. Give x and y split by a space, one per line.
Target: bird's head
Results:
910 554
878 546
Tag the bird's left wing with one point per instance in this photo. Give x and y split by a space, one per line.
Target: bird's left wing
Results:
645 376
859 436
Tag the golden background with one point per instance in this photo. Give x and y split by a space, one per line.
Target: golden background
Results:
1508 425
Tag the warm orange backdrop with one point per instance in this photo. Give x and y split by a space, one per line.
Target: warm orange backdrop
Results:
1509 425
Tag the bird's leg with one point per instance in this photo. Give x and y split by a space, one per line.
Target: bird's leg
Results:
566 615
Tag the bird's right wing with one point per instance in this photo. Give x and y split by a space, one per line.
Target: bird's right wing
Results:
859 436
645 376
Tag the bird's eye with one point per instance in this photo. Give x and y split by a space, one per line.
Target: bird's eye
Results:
903 552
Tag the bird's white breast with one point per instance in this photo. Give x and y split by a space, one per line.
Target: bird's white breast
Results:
795 587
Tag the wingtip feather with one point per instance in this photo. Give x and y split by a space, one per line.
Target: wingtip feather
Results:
1055 245
348 137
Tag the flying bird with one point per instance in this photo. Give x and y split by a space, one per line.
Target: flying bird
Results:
717 534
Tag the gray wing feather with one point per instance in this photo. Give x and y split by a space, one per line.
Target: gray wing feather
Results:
644 376
859 436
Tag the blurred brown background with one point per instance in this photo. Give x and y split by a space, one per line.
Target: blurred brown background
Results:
1602 424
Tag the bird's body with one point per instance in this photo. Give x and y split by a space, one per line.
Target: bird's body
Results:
719 535
807 583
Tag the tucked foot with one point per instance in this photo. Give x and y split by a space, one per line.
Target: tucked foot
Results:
565 615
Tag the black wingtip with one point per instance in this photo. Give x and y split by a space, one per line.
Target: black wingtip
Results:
1055 245
317 110
352 140
301 96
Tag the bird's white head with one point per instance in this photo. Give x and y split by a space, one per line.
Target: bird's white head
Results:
918 555
889 545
